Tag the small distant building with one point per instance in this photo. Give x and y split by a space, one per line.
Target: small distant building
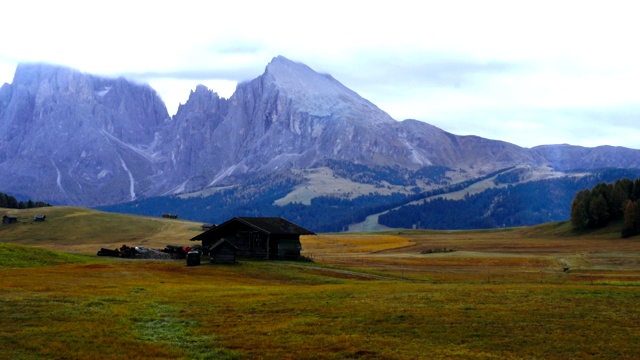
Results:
170 216
223 252
40 217
9 219
206 227
259 237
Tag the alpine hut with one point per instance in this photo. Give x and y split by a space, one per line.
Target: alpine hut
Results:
223 252
259 237
9 219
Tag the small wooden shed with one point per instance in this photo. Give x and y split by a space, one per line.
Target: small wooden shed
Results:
9 219
206 227
223 252
259 237
40 217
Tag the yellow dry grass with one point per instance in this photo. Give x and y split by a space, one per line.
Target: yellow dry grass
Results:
346 243
522 254
83 230
472 294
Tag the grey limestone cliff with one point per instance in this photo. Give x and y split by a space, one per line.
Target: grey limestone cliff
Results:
293 117
72 138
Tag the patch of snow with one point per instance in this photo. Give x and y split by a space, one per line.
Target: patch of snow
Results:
132 182
103 91
58 178
103 173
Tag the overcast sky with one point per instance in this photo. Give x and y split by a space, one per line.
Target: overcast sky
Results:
526 72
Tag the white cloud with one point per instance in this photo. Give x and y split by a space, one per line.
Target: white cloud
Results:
510 70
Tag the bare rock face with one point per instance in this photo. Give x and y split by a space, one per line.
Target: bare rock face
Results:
71 138
195 148
293 117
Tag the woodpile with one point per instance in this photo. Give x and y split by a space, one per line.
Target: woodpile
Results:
139 252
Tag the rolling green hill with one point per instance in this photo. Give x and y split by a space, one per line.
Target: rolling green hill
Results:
84 230
20 256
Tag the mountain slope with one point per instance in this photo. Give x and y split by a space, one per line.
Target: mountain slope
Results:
288 117
567 157
293 117
68 137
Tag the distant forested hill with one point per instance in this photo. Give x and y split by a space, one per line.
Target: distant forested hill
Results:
515 205
324 214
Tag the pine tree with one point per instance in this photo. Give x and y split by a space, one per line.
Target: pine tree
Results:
627 185
635 217
629 228
12 202
636 190
619 197
580 209
598 211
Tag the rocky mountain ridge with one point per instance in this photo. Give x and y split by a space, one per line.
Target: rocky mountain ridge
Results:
73 138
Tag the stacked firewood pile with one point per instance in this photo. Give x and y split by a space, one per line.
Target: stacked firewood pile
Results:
124 251
139 252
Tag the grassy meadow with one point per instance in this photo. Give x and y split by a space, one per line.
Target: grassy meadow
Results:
530 293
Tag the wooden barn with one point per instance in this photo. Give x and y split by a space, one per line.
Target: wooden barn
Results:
9 219
223 252
260 237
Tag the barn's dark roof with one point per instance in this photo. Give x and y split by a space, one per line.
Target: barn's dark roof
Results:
268 225
275 225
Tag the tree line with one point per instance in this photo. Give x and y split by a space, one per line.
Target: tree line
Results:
8 201
606 202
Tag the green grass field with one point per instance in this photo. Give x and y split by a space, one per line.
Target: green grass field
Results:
529 293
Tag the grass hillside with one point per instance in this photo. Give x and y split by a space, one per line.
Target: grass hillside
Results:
564 229
84 230
20 256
